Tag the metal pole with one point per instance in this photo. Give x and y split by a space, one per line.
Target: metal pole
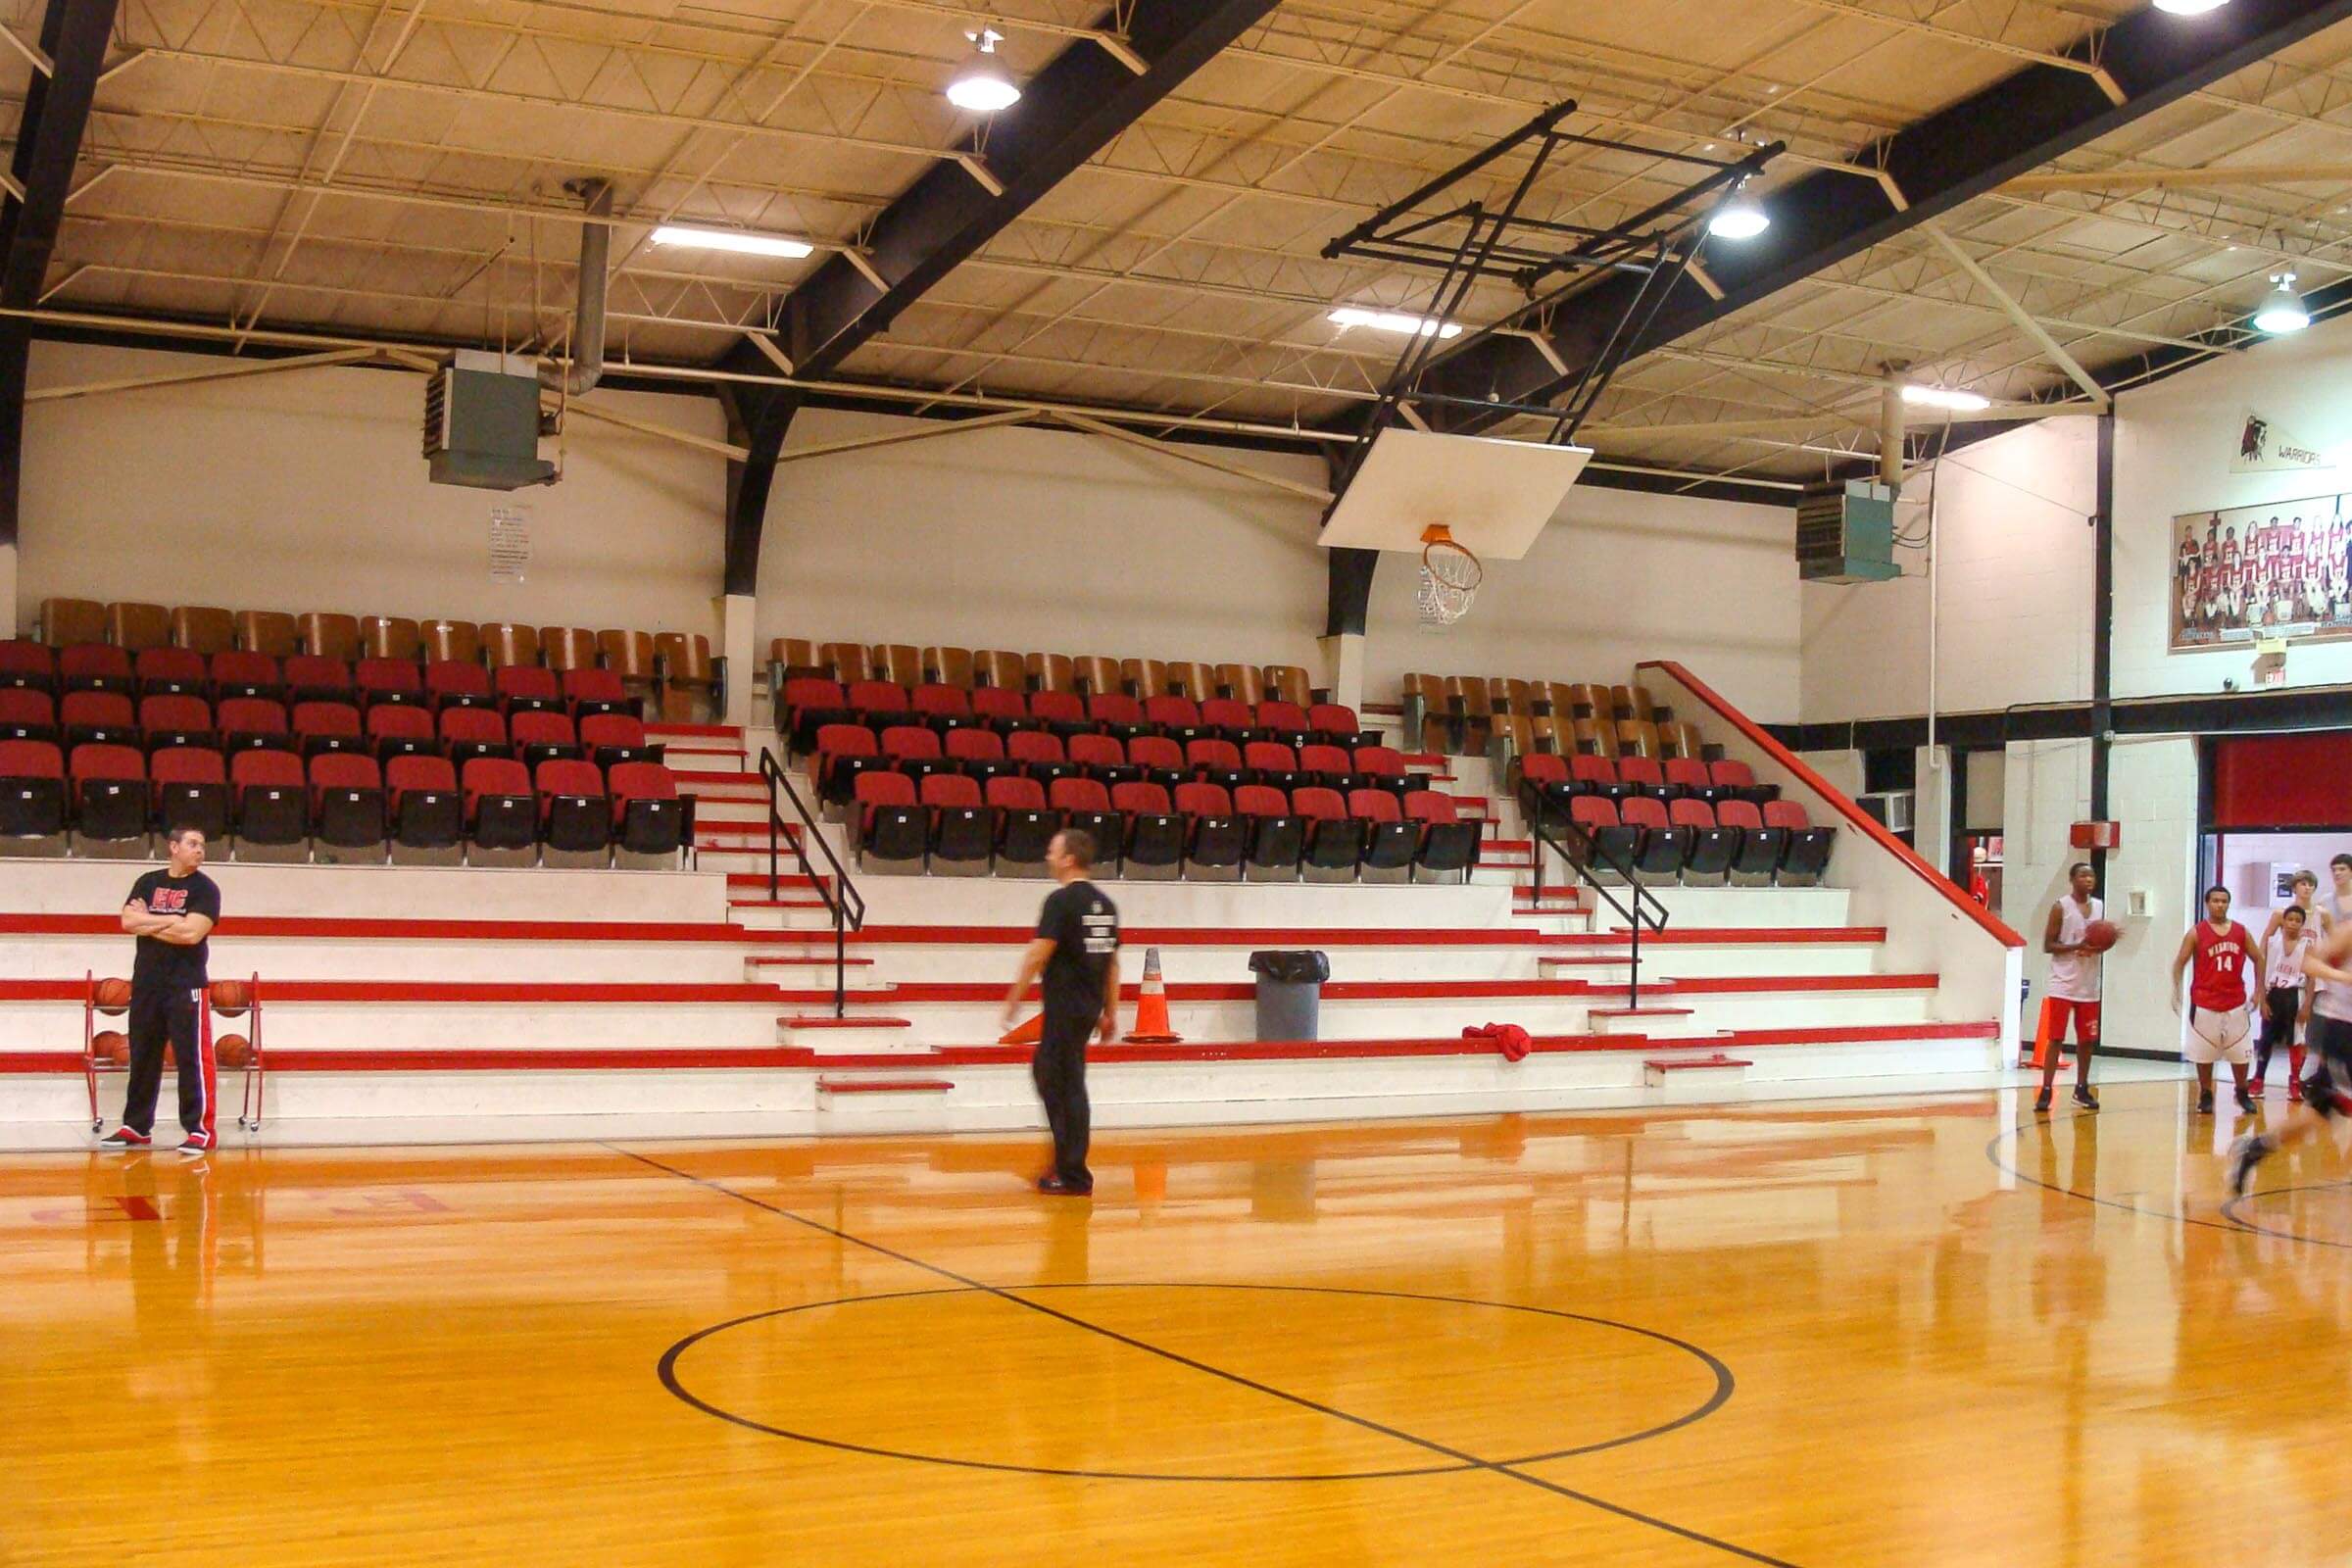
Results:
2102 639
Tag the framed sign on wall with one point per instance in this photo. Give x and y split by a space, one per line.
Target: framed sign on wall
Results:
2254 573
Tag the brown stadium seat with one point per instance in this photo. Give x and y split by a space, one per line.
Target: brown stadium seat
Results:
1467 700
797 656
688 677
1243 683
1193 679
507 645
1546 734
268 631
1637 738
567 647
1145 677
1517 729
1287 683
848 661
948 666
1096 676
451 639
1516 698
390 637
901 663
202 630
630 656
1437 725
1595 738
67 621
1050 672
1680 739
325 636
1003 671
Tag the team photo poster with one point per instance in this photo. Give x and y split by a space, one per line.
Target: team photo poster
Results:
2254 572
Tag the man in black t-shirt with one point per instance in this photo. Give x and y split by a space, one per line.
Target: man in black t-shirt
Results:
171 911
1077 948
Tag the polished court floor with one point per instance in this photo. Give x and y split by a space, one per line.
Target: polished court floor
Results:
1910 1331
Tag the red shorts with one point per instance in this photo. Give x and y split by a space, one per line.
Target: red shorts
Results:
2057 1010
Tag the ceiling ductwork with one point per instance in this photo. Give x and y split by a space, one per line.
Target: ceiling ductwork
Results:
588 321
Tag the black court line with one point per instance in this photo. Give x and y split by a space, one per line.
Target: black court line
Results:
1467 1461
1717 1398
2231 1221
2236 1208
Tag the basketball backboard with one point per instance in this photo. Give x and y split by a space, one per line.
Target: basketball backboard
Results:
1496 496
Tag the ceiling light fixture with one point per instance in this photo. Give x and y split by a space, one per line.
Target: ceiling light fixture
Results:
2190 8
731 239
983 85
1741 218
2284 311
1394 321
1945 397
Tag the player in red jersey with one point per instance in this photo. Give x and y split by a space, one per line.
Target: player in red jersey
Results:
2218 1024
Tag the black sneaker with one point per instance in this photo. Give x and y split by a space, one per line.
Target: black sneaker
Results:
2085 1098
1055 1187
2245 1103
2247 1154
2205 1104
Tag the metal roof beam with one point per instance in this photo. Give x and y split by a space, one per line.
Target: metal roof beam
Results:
1971 148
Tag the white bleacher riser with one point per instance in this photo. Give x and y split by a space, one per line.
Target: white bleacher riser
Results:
455 959
464 1105
944 962
367 1028
1719 959
380 892
976 1023
1008 901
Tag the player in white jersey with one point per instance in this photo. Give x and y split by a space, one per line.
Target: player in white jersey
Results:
2331 1065
2286 996
2074 988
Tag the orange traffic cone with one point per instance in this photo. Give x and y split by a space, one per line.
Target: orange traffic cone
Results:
1026 1034
1152 1007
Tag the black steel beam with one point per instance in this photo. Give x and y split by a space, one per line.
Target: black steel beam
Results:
56 109
1069 110
1967 150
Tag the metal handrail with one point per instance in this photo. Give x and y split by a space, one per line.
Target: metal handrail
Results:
1647 908
840 896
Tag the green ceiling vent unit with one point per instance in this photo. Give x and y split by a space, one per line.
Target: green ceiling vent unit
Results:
481 423
1845 533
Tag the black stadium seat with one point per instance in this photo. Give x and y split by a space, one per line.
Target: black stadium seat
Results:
428 814
346 807
190 784
1026 824
1448 845
1276 835
576 815
893 828
501 812
1154 831
32 798
962 829
1215 836
1391 841
1335 838
651 821
111 803
1085 804
273 805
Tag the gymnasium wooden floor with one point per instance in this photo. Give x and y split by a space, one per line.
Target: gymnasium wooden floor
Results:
1918 1332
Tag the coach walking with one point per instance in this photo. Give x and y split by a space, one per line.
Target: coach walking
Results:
171 911
1077 948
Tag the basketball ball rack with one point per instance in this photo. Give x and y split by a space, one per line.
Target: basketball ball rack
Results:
257 1071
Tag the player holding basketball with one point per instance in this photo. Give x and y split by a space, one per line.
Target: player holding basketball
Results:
2330 969
1077 950
2217 1025
2286 1001
2074 992
171 911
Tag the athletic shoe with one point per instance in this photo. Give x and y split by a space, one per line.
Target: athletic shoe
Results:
2205 1104
2294 1091
196 1144
2255 1088
2245 1103
1055 1187
2085 1098
125 1139
2247 1154
2041 1104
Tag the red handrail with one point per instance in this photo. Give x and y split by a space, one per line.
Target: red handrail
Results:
1860 820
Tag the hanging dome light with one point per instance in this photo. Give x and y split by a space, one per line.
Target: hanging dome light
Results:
2284 311
983 85
1741 218
2190 8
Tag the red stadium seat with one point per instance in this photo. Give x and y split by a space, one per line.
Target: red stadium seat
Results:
502 811
1216 761
651 821
457 683
26 662
1807 856
1002 709
1707 857
395 729
842 753
943 707
190 784
892 827
173 720
914 750
523 687
1026 824
1448 845
1283 722
876 700
1687 775
1271 763
1337 724
1384 766
1641 775
235 672
1330 767
1390 842
1334 840
1039 755
1228 719
470 732
172 672
1275 835
541 736
1153 832
1176 718
427 812
388 680
614 738
1216 835
346 807
808 703
1116 713
962 830
1061 712
1736 778
313 679
1160 759
328 727
94 667
32 798
273 805
98 718
28 714
576 815
596 691
1085 804
111 809
1102 759
979 754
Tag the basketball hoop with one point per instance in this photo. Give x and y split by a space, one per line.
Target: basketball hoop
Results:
1449 578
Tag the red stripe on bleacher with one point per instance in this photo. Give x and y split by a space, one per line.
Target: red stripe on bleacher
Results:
278 993
366 929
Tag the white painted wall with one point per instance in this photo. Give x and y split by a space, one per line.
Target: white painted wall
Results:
2012 609
1617 577
306 490
1047 540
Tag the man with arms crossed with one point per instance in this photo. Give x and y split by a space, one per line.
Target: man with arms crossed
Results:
2218 1024
2074 985
171 911
1077 948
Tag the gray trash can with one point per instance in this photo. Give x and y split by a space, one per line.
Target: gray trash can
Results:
1290 992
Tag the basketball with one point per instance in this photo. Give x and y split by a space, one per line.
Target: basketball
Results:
230 999
2100 935
111 1046
111 996
232 1050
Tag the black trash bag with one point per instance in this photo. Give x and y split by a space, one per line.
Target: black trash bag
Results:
1290 969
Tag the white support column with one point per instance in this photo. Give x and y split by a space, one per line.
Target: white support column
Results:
1343 667
8 591
735 615
1932 809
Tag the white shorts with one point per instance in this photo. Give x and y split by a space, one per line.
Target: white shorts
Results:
2219 1035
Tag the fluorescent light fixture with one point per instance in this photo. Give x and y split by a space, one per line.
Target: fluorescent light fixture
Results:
1394 321
731 239
2284 311
1741 218
1945 397
2190 8
983 85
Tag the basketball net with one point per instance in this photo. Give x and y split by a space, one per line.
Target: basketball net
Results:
1449 578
